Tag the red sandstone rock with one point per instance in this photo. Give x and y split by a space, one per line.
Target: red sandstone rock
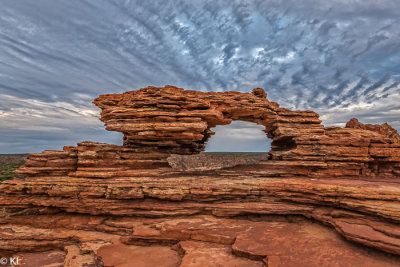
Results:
99 204
199 254
176 121
197 241
259 92
120 255
384 129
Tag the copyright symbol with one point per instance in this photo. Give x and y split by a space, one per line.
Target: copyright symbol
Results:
3 261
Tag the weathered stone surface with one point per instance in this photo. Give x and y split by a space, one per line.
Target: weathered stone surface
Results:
182 241
199 254
120 255
97 204
384 129
52 258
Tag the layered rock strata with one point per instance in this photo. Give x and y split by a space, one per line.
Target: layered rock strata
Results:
172 120
99 204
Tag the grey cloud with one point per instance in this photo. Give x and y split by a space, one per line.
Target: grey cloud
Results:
333 56
239 136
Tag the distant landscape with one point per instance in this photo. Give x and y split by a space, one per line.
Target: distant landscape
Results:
215 160
9 163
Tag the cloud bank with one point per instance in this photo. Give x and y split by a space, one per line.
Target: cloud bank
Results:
339 58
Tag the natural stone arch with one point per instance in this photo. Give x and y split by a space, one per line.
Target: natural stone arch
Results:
160 121
171 120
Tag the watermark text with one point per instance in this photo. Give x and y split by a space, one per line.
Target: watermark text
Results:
9 261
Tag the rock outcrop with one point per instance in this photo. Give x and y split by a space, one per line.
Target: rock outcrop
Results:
383 129
172 120
99 204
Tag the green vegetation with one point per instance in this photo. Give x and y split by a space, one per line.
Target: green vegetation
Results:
7 170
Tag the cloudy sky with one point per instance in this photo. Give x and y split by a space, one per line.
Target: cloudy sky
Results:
340 58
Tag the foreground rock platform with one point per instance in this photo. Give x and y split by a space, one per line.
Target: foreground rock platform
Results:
201 240
323 196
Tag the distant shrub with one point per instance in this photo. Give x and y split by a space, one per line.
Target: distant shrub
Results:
7 170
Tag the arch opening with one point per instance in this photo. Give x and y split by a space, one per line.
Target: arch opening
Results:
238 143
239 136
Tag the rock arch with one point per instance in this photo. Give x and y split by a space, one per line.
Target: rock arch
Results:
170 120
180 120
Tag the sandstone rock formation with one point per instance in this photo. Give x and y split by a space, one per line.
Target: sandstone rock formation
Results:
384 129
171 120
100 204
